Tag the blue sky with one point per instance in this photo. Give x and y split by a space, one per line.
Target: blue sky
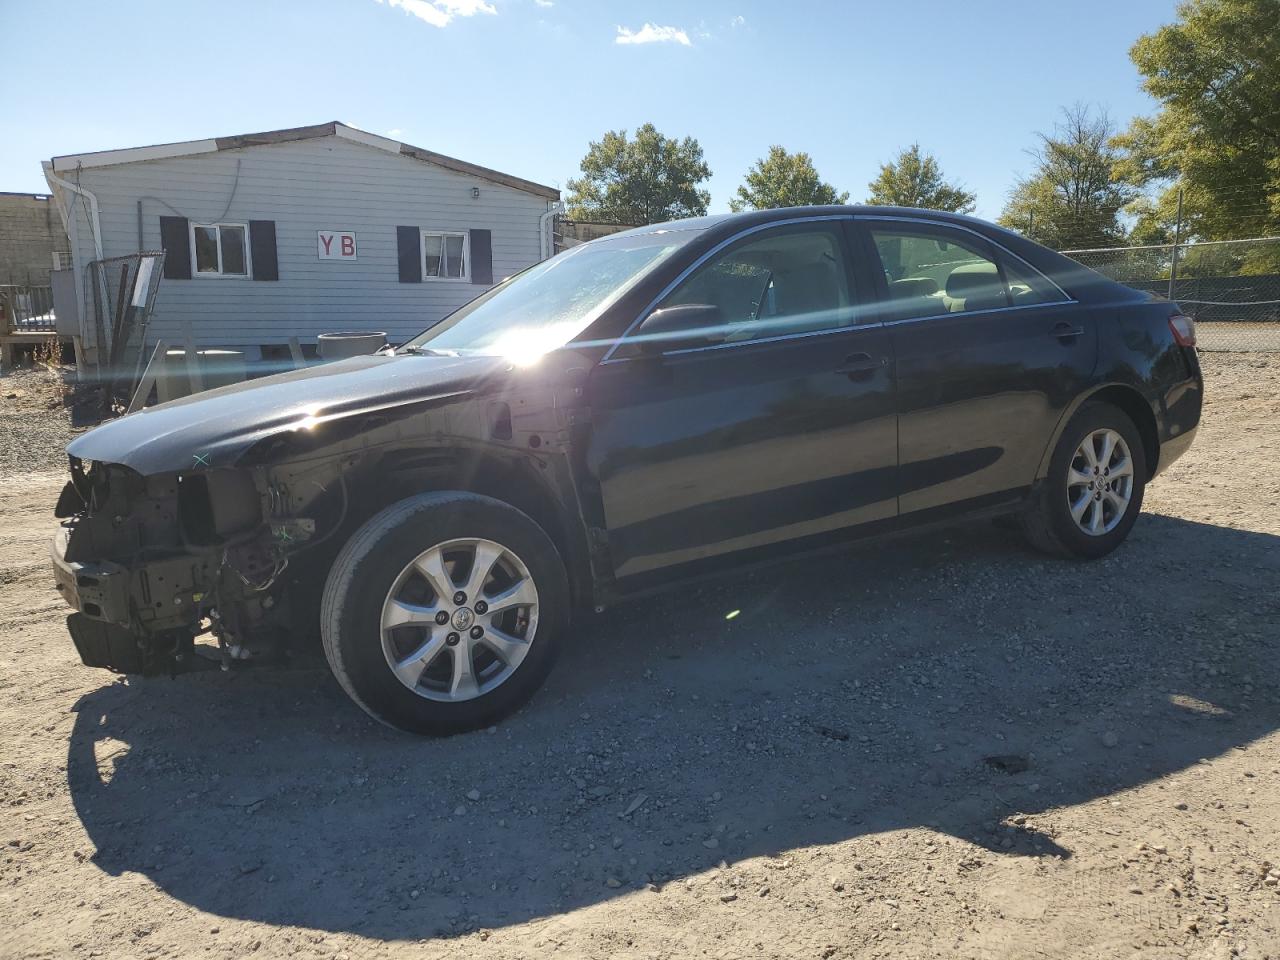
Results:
524 85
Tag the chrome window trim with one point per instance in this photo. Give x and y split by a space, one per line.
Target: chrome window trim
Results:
974 313
803 334
1066 298
644 314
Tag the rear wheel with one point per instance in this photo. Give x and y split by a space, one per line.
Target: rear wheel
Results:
1092 495
443 612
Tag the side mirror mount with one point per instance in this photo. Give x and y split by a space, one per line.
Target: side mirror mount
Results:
680 327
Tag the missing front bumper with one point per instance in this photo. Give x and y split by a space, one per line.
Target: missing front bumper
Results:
98 590
108 646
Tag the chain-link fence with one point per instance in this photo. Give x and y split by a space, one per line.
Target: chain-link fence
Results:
1231 288
122 294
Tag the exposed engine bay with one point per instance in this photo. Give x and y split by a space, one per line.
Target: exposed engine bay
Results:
189 554
200 532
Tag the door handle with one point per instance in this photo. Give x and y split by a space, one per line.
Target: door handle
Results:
1066 331
860 363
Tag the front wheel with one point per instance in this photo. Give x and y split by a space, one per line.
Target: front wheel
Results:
1092 495
443 612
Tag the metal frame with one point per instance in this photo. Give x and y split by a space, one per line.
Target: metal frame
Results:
192 226
465 277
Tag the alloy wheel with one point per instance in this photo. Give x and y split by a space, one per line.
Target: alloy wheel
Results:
459 619
1100 482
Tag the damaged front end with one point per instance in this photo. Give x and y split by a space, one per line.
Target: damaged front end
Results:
151 563
204 529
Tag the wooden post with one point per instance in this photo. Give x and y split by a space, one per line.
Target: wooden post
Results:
149 376
193 360
295 351
6 345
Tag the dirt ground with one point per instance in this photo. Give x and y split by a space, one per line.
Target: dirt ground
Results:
948 746
1239 335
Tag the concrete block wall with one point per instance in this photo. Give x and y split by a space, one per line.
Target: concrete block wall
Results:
30 233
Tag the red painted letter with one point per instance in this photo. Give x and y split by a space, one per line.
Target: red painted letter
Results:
326 240
348 245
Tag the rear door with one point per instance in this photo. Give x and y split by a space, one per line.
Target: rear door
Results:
989 355
783 430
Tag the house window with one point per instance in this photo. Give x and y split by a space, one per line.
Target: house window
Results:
446 256
220 249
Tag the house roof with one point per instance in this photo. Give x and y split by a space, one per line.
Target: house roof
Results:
334 128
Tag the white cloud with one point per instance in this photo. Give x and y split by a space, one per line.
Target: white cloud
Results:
394 132
738 21
438 13
466 8
545 3
652 33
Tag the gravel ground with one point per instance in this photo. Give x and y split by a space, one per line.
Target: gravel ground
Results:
35 425
947 747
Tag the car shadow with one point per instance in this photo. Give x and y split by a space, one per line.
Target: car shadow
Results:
954 682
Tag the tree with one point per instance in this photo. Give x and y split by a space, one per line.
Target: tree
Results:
784 180
1153 223
1075 196
1216 74
914 179
648 179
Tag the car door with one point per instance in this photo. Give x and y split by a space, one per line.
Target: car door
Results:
782 428
989 355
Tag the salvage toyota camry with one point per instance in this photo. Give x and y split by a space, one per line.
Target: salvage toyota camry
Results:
632 413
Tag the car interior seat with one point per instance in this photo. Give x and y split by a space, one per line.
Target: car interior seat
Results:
916 296
976 286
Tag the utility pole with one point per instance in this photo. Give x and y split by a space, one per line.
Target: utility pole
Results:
1177 239
1031 223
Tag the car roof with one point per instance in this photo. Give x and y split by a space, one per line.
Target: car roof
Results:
727 223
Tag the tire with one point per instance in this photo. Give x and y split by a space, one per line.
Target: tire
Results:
380 566
1048 522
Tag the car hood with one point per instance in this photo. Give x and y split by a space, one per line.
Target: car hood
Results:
215 428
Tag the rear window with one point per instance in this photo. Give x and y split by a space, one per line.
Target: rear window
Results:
930 273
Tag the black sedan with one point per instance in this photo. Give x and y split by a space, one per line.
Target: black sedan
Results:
632 413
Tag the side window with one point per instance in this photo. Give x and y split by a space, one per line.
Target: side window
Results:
219 249
789 280
444 256
931 272
1027 286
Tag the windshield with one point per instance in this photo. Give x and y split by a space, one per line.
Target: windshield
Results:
549 304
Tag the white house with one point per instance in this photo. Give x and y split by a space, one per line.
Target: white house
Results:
294 233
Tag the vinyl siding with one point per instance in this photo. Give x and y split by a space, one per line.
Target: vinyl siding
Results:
324 184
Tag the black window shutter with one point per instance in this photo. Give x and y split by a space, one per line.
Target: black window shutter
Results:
481 257
262 247
409 251
175 239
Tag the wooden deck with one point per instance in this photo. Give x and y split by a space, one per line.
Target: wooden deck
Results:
9 340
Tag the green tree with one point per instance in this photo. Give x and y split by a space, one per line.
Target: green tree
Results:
1216 74
914 179
1152 223
1076 193
784 180
647 179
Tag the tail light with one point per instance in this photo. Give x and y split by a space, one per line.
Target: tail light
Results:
1183 329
